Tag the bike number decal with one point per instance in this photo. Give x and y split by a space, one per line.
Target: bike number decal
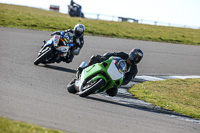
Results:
56 40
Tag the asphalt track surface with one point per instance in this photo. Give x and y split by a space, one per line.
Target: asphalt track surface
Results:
37 94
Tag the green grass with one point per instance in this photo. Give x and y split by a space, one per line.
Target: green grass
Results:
11 126
179 95
32 18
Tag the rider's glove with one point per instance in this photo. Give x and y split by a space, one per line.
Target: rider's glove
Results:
69 30
103 58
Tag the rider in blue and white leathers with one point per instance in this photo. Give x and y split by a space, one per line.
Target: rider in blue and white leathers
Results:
76 35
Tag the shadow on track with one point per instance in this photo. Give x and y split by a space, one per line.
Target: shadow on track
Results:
59 68
143 108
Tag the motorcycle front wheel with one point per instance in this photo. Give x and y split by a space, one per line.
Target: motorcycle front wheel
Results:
92 87
71 87
41 58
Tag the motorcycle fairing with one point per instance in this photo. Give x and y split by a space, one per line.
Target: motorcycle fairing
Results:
86 75
49 42
99 70
53 41
63 49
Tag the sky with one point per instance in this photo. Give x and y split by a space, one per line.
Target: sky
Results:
181 13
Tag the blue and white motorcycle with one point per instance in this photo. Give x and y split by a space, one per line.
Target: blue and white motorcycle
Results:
56 49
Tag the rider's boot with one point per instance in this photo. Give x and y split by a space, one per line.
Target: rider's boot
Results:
112 91
58 60
69 58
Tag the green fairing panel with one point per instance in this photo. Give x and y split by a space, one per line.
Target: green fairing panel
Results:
96 68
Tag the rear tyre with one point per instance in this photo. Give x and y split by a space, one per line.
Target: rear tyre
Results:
92 88
71 87
43 56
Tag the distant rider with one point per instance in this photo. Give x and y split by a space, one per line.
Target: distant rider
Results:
77 37
132 59
76 7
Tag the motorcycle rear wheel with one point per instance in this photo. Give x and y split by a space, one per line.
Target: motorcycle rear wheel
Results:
43 56
93 88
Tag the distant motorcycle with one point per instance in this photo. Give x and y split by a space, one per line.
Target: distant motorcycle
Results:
52 51
98 77
75 11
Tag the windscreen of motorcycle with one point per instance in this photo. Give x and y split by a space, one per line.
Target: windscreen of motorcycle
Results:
117 68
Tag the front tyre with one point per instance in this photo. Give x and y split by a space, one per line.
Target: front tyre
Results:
71 87
43 56
92 88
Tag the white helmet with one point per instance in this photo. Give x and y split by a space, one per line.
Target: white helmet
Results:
79 30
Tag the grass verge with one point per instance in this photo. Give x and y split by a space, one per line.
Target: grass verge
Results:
179 95
11 126
32 18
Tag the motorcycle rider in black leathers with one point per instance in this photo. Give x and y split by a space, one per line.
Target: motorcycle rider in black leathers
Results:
132 59
77 37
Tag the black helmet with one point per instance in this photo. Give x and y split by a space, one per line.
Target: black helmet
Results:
135 56
79 30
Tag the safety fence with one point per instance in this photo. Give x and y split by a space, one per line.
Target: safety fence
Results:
133 20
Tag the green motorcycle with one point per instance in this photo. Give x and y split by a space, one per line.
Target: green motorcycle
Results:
99 77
